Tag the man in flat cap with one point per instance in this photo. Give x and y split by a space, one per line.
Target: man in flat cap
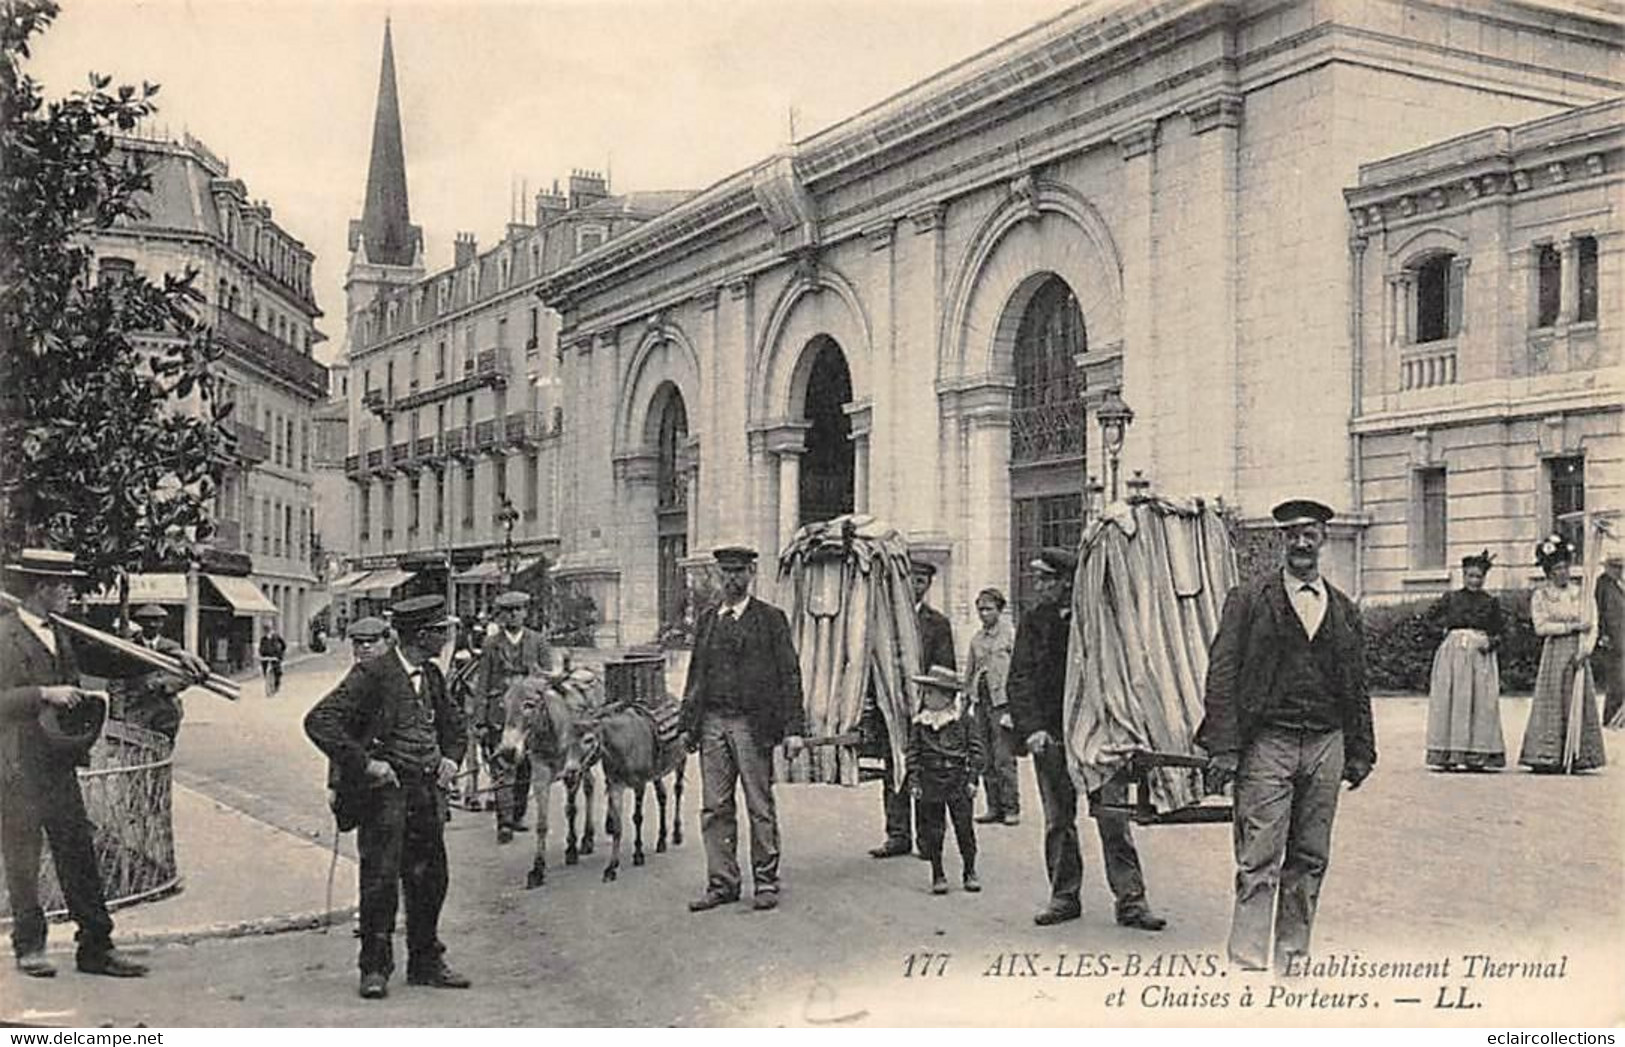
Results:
151 700
1288 719
1037 691
369 638
936 649
513 652
40 797
742 697
395 740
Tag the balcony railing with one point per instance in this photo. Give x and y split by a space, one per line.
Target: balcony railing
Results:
262 348
400 455
525 428
1046 432
352 465
493 366
375 459
457 442
485 435
253 446
228 535
378 402
1427 366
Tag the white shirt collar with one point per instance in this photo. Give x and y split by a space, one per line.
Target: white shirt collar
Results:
1294 584
414 673
736 609
39 627
514 635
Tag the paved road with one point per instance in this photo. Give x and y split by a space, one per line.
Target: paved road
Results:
1426 867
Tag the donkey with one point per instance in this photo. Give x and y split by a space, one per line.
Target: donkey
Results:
542 725
629 750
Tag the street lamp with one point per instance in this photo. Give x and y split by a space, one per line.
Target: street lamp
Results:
1114 417
507 516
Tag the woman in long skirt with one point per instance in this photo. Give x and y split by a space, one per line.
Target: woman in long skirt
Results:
1557 611
1464 701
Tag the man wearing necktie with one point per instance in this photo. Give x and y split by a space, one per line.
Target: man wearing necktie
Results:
1037 690
1287 719
742 697
395 740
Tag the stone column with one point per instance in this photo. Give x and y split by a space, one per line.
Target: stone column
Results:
861 416
1142 377
786 442
636 495
881 444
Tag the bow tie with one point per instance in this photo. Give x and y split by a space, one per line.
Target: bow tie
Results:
1307 588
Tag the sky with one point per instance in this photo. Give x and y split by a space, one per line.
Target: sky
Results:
660 95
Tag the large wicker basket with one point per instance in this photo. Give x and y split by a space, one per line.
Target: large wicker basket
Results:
127 790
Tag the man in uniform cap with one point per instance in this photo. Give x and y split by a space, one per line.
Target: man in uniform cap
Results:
39 783
151 700
1037 691
369 638
936 648
742 697
395 740
1288 719
514 651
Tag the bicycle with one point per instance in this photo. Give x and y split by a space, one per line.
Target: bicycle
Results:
271 669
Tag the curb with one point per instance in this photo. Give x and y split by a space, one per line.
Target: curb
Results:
263 926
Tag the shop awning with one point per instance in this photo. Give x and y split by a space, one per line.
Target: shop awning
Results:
146 588
490 571
243 595
348 583
385 582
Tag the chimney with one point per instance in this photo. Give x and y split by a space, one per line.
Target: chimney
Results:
550 205
465 250
587 188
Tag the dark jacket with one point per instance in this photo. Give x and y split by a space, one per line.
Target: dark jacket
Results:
936 638
772 674
1244 663
346 724
951 754
499 662
26 666
1037 684
1610 613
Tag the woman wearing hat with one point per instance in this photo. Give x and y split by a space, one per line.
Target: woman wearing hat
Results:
1556 610
1464 700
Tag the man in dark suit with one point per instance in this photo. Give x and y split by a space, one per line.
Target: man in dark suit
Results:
936 648
1288 719
151 700
1037 691
40 797
395 740
514 651
1610 652
742 697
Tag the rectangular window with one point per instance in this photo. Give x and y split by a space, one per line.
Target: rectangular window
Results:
439 502
1433 299
1432 539
499 483
502 332
366 512
533 340
250 517
412 376
287 529
414 496
387 516
1549 285
1585 264
287 442
1568 494
304 447
440 359
532 494
468 496
389 380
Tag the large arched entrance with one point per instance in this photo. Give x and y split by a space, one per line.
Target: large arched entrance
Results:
1048 430
826 484
671 501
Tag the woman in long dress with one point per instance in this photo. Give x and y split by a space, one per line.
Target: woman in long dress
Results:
1556 607
1464 701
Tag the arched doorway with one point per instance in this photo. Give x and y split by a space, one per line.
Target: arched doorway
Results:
1048 430
671 503
826 485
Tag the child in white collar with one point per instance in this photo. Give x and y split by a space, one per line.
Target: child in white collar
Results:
945 757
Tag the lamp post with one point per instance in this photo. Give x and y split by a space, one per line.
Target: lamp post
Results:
507 516
1114 417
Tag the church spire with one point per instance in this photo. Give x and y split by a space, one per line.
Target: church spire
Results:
389 238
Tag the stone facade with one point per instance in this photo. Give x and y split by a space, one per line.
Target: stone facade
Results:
1498 418
1178 166
256 281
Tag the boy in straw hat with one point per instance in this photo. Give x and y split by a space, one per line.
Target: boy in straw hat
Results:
945 756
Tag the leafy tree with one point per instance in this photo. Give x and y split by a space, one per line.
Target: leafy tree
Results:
110 438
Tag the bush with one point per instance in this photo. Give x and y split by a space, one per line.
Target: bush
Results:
572 617
701 594
1400 643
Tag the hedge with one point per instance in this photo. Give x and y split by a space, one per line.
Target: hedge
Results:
1399 645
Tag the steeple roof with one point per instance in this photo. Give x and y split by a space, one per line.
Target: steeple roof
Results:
386 229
